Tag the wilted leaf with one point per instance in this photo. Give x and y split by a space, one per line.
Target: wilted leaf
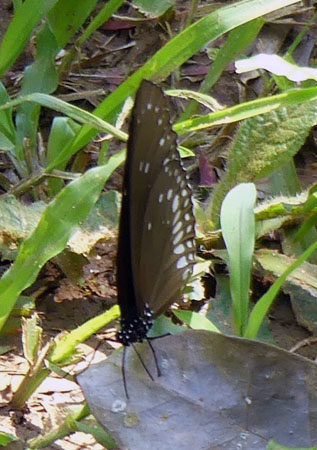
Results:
301 285
18 221
215 392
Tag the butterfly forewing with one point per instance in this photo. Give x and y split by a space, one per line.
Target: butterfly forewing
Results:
161 267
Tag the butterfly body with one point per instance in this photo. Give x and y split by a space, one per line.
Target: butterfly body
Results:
156 232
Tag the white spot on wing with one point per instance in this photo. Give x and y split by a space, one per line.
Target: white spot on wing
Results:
175 204
161 142
156 109
189 228
160 121
169 194
183 193
186 274
149 106
160 198
187 217
179 249
181 263
177 216
146 167
141 166
178 237
177 227
149 226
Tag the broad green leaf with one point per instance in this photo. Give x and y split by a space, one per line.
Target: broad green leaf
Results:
62 131
262 144
5 143
303 204
238 230
26 17
6 438
57 224
18 221
41 76
195 321
65 18
276 263
263 305
153 9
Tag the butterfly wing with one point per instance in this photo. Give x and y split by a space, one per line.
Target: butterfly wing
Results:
156 233
162 225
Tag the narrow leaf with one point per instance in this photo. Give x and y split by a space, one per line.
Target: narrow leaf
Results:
238 230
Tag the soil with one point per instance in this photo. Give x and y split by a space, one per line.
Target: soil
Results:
116 50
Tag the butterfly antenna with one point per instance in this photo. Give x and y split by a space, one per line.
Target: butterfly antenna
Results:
123 372
142 362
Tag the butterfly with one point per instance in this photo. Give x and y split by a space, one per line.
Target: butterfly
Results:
156 247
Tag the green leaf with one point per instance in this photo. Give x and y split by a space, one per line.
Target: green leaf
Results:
263 305
272 445
6 121
66 345
58 222
27 16
238 230
41 76
98 433
65 18
154 9
62 131
6 438
31 338
247 110
195 321
263 144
